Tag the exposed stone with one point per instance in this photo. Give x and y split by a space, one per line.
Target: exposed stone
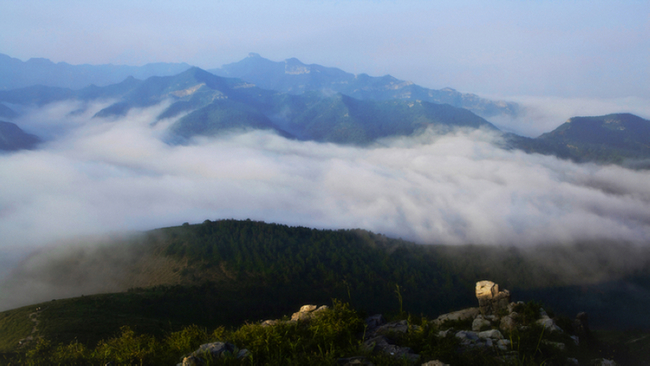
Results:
547 322
215 349
480 323
491 301
508 323
446 333
377 342
464 314
492 334
308 308
269 323
306 312
467 337
398 327
503 344
486 289
243 353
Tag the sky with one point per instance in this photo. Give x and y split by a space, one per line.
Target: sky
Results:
545 48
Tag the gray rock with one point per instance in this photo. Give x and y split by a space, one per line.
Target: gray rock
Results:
399 327
480 323
491 334
467 337
464 314
508 323
215 349
375 321
243 353
548 323
503 344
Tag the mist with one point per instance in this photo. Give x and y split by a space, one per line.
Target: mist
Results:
102 176
96 178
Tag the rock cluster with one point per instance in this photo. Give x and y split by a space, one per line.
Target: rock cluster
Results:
494 316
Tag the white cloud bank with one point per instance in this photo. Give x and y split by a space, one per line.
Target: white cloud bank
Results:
105 176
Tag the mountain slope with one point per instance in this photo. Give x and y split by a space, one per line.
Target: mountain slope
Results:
292 76
13 138
614 138
252 263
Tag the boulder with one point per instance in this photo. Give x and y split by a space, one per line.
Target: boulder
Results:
464 314
480 323
503 344
466 337
508 323
547 322
306 312
396 327
491 334
491 301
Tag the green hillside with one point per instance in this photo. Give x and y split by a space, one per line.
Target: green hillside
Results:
621 138
228 272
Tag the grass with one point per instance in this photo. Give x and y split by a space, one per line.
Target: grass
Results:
336 333
15 325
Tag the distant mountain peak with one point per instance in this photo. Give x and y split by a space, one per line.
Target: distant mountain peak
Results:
293 66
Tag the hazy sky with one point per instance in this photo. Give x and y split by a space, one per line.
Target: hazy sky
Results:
577 49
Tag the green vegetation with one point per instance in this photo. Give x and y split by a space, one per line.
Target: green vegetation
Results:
335 333
231 272
614 139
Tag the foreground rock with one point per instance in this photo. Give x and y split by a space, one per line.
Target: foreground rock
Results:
212 351
487 329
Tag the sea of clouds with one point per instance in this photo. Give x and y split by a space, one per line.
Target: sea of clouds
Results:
96 177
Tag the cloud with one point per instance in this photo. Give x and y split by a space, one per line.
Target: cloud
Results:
114 175
98 177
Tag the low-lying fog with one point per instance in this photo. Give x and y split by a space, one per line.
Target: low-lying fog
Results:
98 176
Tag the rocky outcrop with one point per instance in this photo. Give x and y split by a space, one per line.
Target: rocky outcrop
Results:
492 324
378 337
491 301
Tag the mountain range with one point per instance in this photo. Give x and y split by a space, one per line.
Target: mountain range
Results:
313 102
15 73
294 77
